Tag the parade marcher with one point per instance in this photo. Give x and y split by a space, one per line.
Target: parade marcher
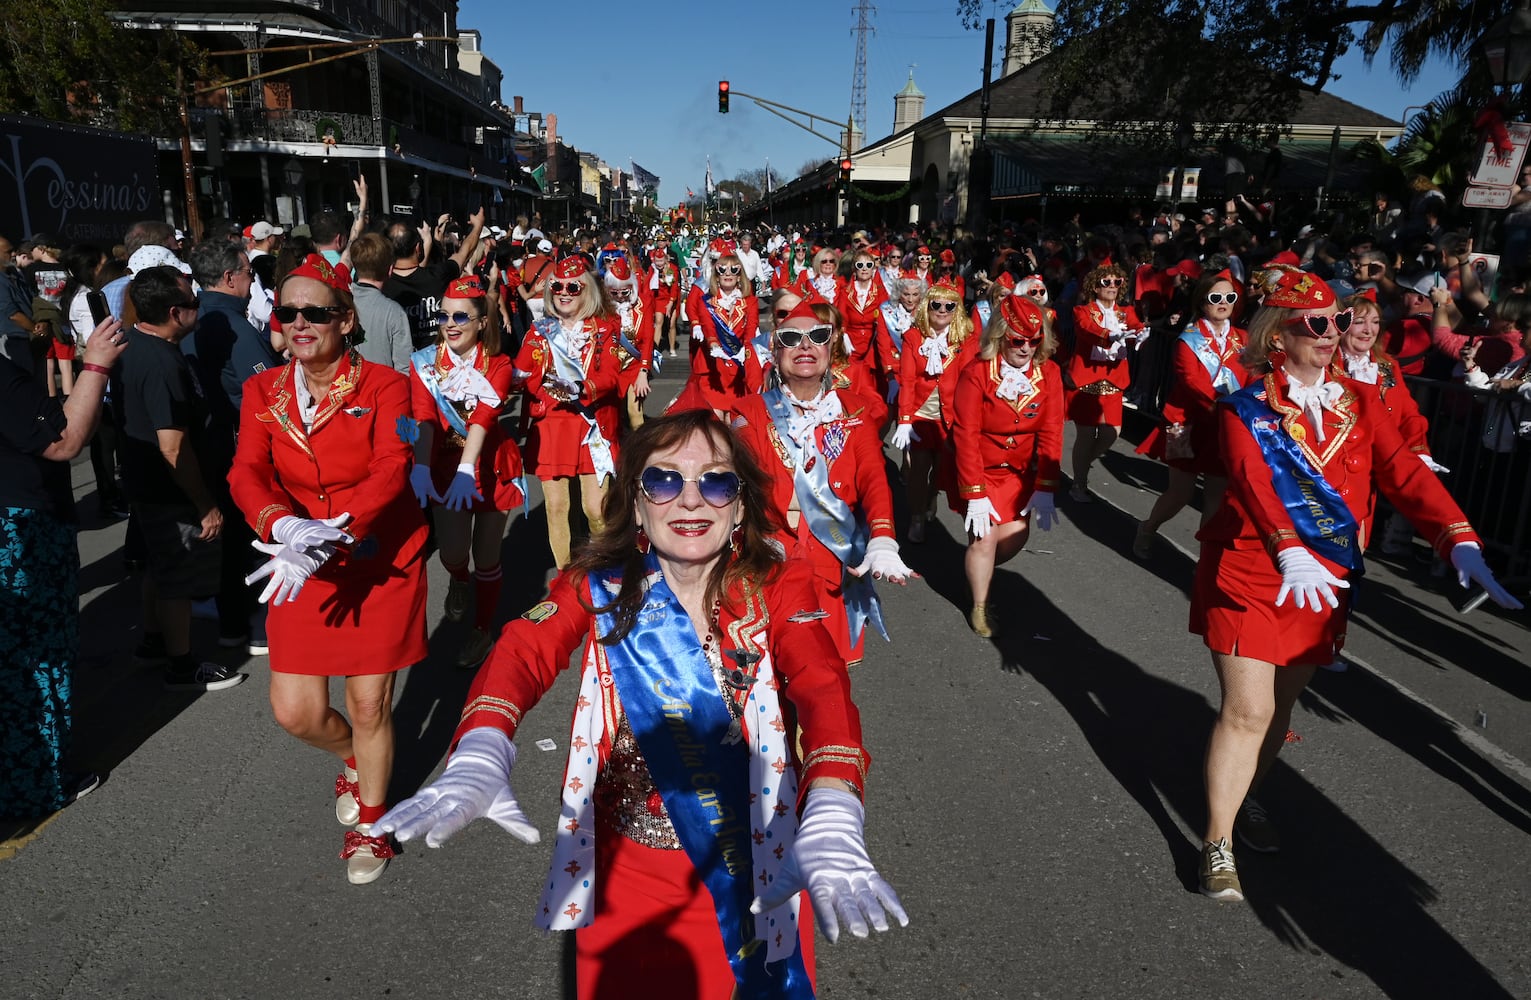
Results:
569 368
1307 454
894 317
664 298
988 303
724 319
844 373
322 475
829 491
789 273
635 336
1361 357
858 302
946 272
1207 364
701 647
463 459
921 269
891 272
1007 433
822 282
1104 331
936 347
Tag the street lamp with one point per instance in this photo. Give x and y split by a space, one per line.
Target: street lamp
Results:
1506 46
414 190
292 173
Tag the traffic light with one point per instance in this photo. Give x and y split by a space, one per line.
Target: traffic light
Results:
845 175
723 97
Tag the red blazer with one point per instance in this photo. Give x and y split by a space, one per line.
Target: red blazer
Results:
1398 400
816 691
1192 400
1361 454
641 334
1005 435
1089 333
915 386
722 381
555 428
860 319
859 381
499 462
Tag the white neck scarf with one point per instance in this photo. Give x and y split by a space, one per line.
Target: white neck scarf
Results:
935 350
811 413
1013 382
727 300
1314 399
1362 368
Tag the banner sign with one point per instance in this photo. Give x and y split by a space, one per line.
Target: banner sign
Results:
83 185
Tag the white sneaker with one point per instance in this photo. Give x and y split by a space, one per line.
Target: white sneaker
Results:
365 855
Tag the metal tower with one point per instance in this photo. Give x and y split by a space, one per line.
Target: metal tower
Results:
863 11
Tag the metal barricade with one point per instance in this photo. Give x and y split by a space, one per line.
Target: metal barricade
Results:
1473 433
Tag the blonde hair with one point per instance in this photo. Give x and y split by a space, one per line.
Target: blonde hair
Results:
1359 304
999 329
962 325
1262 340
747 287
594 301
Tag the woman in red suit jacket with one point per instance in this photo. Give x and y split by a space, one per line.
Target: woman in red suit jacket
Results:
635 337
464 461
570 369
821 283
728 315
1306 454
322 475
859 301
1207 364
844 374
1008 437
936 348
1104 331
802 420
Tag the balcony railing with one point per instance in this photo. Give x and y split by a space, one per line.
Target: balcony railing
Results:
360 17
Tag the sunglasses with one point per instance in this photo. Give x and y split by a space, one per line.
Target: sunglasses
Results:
1222 298
1028 341
661 486
1036 293
455 318
566 287
193 303
942 306
728 268
1111 282
314 314
866 265
1317 326
924 256
791 338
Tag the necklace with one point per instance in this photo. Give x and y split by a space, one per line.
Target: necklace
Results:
733 682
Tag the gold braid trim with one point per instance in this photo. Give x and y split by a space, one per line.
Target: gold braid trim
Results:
832 754
1453 530
497 706
267 515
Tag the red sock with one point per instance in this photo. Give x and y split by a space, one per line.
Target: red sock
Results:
371 814
458 573
351 763
486 596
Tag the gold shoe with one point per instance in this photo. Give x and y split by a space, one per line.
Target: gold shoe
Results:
979 619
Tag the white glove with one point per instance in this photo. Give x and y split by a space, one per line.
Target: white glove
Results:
1098 353
1467 558
980 513
561 387
883 562
420 482
903 435
1304 577
829 859
1042 505
462 491
302 534
288 569
476 783
1433 465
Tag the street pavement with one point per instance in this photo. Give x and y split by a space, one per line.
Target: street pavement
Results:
1035 799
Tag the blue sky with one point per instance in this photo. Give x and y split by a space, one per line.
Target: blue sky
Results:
639 81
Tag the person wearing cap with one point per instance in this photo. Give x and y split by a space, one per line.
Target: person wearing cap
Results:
635 335
1206 365
569 368
725 319
1307 453
894 318
1409 339
264 239
939 343
464 461
821 449
922 265
663 293
945 272
322 476
1007 438
1105 330
859 301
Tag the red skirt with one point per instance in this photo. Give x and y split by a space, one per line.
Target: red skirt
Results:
366 616
61 352
655 931
1233 607
555 446
499 467
1092 410
1009 491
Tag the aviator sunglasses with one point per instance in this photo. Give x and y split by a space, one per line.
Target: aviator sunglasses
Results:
1317 326
455 318
1222 298
660 486
792 338
314 314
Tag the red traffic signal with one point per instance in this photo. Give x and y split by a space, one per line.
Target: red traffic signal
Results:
845 169
723 97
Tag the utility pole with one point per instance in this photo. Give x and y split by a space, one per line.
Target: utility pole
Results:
863 11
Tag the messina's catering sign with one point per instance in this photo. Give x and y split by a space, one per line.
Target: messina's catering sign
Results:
84 185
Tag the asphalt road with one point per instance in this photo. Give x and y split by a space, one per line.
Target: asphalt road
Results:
1035 799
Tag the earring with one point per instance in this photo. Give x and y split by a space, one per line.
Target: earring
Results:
736 539
643 541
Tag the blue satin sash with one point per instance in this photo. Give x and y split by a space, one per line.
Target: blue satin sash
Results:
671 698
985 309
830 518
424 362
1322 518
894 333
1223 379
564 364
726 335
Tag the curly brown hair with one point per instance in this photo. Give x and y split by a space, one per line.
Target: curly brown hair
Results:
1092 282
757 558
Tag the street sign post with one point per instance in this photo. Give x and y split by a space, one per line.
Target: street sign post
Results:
1502 169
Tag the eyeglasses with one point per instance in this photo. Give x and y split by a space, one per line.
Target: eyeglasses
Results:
865 265
1222 298
455 318
728 268
792 338
924 256
822 261
1317 326
240 270
661 486
1028 341
941 306
1111 282
316 315
1036 293
566 287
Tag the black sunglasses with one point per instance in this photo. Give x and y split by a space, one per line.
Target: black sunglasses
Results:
314 314
192 303
791 338
1018 341
565 287
941 305
455 318
782 314
1317 326
660 486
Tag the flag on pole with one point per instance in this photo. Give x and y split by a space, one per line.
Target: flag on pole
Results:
540 175
708 186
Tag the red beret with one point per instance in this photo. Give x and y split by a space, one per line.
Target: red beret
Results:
922 251
464 288
318 269
803 311
1188 267
1007 280
947 257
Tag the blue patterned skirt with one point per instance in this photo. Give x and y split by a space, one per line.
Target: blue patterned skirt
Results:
39 639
